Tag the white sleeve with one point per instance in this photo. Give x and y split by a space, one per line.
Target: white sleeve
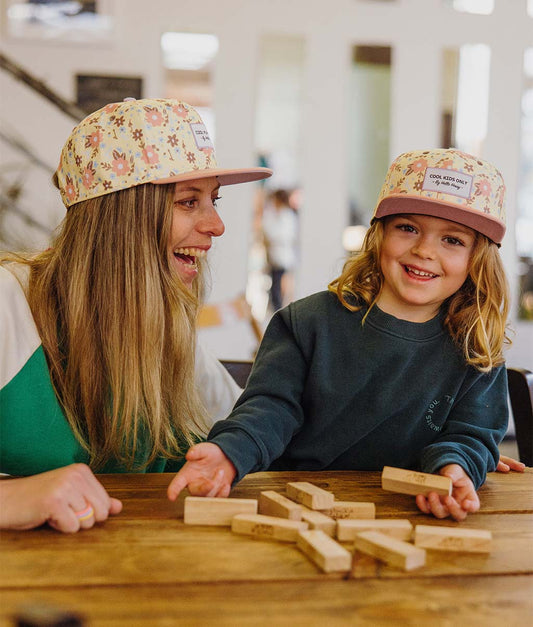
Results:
217 387
19 338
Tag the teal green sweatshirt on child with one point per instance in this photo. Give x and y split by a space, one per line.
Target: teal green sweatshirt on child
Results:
330 393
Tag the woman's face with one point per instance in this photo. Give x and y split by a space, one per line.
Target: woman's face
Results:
424 260
195 222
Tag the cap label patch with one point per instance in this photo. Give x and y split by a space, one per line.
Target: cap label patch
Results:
201 135
448 182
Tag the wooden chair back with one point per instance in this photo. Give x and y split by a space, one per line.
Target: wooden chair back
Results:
521 396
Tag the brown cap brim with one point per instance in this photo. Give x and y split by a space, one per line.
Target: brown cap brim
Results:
485 223
224 176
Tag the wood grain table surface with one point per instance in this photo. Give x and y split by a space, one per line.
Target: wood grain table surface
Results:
146 567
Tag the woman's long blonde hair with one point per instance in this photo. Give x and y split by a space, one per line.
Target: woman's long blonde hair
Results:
476 314
118 327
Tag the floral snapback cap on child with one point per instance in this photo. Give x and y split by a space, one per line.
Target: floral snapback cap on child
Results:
140 141
449 184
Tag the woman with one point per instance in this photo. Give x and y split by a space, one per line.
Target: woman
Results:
99 330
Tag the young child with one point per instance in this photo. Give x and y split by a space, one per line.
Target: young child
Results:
400 362
98 332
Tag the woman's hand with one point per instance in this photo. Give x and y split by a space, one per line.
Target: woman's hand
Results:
507 464
207 472
463 500
68 499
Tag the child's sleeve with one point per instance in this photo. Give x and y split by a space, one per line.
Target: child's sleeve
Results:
474 428
269 412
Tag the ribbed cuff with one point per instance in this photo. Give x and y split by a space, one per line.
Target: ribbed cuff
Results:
240 449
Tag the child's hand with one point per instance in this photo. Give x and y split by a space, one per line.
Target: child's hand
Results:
68 499
463 500
207 472
508 463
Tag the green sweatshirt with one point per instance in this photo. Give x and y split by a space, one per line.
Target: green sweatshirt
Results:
35 435
330 393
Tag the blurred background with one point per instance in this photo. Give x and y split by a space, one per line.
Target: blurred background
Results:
327 94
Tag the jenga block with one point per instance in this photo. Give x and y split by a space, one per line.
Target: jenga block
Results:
394 552
201 510
318 520
398 528
310 495
412 482
273 504
350 509
453 539
268 527
329 555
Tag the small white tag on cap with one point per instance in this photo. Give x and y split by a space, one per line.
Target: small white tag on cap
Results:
201 135
448 182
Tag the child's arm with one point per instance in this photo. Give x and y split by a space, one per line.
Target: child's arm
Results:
207 472
473 429
463 500
508 463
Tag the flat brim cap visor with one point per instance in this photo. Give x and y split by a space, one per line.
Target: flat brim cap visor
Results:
449 184
224 176
493 228
134 142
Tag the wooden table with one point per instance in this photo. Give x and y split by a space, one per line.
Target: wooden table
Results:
145 567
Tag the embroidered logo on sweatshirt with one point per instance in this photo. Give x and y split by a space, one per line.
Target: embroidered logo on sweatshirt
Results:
432 410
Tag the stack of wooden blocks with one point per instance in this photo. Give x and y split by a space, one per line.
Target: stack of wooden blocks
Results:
311 518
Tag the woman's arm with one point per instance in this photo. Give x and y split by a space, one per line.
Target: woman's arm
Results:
68 499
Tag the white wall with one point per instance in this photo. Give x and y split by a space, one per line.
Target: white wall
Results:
417 30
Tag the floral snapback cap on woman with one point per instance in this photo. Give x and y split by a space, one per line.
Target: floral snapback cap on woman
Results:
446 183
140 141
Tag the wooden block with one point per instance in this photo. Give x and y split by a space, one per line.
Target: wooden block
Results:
399 528
201 510
394 552
318 520
329 555
350 509
268 527
412 482
273 504
453 539
310 495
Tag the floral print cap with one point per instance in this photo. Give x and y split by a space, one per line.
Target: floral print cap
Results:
446 183
140 141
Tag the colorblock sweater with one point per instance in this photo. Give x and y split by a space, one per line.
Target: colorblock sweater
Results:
328 392
34 433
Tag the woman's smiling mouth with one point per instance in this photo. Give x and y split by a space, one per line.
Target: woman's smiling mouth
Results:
189 255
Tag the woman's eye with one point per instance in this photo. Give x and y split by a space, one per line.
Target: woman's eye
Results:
188 203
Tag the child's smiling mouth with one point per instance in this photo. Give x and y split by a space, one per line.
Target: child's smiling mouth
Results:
418 273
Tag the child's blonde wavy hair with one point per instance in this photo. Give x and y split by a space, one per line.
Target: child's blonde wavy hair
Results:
118 327
476 314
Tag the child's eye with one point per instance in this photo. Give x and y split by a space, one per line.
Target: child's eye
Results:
454 241
408 228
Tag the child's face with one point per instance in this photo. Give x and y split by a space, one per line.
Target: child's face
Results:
195 222
424 260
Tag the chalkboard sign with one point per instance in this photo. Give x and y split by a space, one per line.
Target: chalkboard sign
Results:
94 92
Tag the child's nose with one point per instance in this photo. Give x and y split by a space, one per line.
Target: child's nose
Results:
424 248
